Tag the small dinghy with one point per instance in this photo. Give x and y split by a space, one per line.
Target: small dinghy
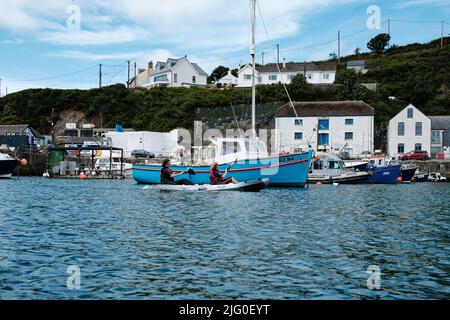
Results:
251 186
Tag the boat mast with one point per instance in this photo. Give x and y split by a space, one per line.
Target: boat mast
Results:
253 54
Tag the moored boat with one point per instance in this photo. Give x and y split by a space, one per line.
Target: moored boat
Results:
7 166
408 171
328 168
253 163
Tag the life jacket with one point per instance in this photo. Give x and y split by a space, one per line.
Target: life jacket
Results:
213 178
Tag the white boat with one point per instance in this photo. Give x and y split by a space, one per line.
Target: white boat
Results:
117 167
328 168
251 186
7 166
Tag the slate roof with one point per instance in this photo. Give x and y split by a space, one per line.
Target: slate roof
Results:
167 66
440 122
326 109
19 128
295 67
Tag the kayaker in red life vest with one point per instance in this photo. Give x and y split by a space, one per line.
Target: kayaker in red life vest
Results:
217 178
168 176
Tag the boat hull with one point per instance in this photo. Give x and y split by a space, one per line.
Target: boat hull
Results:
408 174
357 178
384 175
283 171
252 186
7 168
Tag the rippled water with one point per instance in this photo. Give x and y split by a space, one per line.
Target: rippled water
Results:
278 244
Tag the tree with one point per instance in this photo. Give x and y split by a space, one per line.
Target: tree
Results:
379 43
357 51
350 89
333 56
300 89
218 73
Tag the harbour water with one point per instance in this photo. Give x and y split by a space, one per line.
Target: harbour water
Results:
131 243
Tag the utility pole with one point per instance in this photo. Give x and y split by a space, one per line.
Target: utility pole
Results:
278 54
0 87
339 45
261 61
389 26
442 34
129 70
135 74
100 76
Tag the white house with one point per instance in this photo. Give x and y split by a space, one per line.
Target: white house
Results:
228 80
269 73
412 130
409 130
143 76
177 73
338 126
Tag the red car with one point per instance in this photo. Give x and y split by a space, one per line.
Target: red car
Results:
415 155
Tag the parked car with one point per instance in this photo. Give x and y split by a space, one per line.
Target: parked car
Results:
415 155
142 154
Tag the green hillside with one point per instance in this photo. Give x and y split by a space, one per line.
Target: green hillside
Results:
418 74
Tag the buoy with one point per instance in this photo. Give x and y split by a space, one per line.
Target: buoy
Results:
23 162
83 176
399 179
46 175
413 179
319 183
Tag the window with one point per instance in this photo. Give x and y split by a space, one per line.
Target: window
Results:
273 77
348 122
401 148
418 129
410 113
401 129
298 122
435 137
291 76
298 136
349 136
161 78
247 76
318 165
418 147
194 79
326 76
324 139
175 77
324 124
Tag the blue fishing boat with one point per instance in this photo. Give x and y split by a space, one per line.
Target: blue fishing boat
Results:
289 170
388 174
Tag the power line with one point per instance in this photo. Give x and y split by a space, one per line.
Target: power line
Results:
58 76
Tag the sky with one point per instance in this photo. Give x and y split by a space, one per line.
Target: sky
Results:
60 43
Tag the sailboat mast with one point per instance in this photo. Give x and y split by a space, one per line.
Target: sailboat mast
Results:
253 54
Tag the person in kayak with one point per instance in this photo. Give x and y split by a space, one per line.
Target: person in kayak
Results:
168 176
217 178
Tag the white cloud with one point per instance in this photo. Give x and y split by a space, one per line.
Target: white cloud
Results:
417 3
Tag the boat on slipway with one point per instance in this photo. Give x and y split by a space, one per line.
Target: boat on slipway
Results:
8 165
251 186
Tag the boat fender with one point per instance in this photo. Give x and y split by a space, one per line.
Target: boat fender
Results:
23 162
399 179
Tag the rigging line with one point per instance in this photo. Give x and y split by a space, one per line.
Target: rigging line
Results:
240 28
57 77
416 21
115 76
237 122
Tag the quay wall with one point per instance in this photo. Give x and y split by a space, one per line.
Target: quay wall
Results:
442 166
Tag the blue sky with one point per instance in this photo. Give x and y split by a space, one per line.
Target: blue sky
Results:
36 43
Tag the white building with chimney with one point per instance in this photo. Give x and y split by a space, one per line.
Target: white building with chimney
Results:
176 73
334 126
228 80
270 74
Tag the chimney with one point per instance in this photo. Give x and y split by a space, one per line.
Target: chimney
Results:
284 63
150 65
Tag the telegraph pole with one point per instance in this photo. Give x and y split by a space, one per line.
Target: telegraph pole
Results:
442 34
339 45
135 75
100 76
0 87
278 54
389 26
129 70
